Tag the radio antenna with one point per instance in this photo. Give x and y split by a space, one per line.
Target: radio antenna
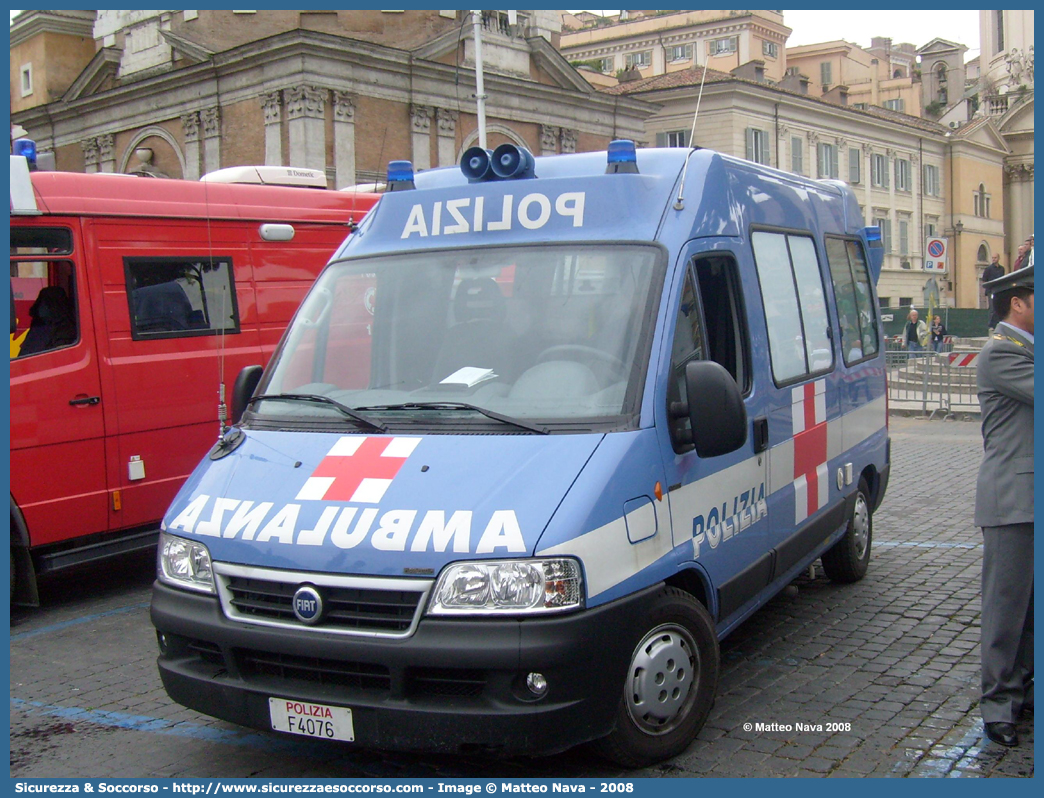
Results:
680 202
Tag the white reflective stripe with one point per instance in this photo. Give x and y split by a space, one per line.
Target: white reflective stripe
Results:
370 491
800 499
346 446
863 422
823 485
797 408
820 399
314 488
781 466
400 447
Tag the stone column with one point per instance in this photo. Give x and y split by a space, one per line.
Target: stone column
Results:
420 121
211 120
190 127
107 153
90 155
569 139
344 138
446 124
272 108
306 115
549 139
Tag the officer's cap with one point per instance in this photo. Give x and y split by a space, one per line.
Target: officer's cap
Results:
1022 278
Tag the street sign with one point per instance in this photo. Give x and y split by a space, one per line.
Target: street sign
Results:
935 255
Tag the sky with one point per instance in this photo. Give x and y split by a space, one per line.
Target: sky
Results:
858 26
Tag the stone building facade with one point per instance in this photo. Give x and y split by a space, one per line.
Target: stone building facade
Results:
182 93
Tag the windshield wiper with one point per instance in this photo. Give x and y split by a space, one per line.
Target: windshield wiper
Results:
515 422
325 400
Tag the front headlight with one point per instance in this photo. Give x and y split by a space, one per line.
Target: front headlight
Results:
184 563
508 586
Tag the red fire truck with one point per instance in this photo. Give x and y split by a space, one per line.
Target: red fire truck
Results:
133 300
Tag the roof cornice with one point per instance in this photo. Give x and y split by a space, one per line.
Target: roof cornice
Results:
70 22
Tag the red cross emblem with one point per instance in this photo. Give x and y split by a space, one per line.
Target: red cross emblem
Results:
357 469
811 487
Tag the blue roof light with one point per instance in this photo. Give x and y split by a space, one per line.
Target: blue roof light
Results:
400 176
26 148
622 157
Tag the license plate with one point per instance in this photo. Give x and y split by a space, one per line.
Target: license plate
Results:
311 720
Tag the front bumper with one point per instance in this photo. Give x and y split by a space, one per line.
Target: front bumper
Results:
453 686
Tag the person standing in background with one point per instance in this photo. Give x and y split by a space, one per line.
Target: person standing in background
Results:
1004 509
989 274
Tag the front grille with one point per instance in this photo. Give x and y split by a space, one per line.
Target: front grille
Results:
313 670
456 682
207 651
351 605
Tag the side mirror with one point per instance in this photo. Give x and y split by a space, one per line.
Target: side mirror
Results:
246 384
716 410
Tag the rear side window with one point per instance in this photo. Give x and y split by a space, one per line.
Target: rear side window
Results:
177 297
795 307
855 305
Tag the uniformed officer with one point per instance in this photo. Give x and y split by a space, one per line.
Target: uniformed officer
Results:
1004 508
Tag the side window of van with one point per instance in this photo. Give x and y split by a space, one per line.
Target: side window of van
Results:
795 307
718 281
43 291
855 304
688 341
175 297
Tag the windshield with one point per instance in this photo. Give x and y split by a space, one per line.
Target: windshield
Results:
555 333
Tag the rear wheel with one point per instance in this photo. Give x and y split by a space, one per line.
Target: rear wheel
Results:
670 683
847 560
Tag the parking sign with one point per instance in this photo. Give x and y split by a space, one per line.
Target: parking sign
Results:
935 255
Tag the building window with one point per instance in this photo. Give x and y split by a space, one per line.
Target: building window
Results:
855 162
673 138
982 202
884 301
826 73
895 105
879 170
932 184
882 221
605 65
178 297
679 52
770 49
998 17
797 155
861 106
722 46
638 60
827 160
757 145
27 79
902 175
931 225
906 301
904 237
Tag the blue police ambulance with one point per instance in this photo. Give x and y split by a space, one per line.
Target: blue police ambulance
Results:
543 432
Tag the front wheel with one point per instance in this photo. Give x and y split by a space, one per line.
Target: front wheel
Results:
670 683
847 560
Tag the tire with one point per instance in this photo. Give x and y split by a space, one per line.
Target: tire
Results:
656 720
847 560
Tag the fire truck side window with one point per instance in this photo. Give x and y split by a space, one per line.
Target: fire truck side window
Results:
43 291
176 297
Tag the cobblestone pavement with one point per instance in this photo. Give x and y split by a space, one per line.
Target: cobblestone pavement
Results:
892 661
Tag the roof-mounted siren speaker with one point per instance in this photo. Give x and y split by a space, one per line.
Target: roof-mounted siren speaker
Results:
510 162
475 164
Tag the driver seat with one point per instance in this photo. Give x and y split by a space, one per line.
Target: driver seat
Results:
480 337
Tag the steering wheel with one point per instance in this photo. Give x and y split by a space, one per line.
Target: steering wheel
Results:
581 353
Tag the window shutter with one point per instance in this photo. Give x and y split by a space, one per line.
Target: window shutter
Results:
661 139
750 144
764 148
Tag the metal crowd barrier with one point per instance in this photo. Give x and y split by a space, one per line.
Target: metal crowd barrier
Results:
938 382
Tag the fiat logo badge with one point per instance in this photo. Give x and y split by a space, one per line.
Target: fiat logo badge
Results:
308 604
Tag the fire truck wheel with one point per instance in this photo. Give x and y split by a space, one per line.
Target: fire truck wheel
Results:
670 684
846 561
